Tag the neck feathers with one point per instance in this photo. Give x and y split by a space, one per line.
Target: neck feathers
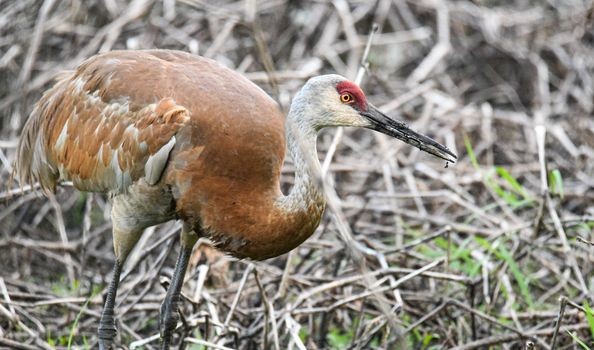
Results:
301 145
305 203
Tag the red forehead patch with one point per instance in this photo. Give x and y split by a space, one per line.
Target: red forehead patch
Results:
353 89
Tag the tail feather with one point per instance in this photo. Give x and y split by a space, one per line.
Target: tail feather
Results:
31 164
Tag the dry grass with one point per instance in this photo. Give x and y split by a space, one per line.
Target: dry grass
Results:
494 251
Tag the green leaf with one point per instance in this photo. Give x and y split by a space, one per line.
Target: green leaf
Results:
303 334
50 340
556 182
339 339
589 317
427 339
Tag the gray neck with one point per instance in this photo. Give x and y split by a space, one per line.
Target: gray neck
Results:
301 145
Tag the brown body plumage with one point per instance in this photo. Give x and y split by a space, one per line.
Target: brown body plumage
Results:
100 125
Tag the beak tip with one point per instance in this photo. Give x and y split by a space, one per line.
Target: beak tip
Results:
452 158
445 154
449 160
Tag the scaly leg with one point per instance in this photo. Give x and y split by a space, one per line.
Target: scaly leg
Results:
107 326
124 239
169 309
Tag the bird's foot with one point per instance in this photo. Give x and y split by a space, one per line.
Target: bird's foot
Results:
168 319
105 344
107 330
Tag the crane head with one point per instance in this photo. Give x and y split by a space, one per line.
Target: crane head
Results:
343 103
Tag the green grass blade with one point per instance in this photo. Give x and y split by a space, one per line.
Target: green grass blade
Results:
518 275
73 328
579 341
508 197
503 254
556 182
515 185
470 152
589 317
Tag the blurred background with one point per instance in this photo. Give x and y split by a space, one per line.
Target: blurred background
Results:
493 252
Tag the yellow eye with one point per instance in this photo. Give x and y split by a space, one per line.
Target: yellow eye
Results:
346 98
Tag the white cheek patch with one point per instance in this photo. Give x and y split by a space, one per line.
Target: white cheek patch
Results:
356 120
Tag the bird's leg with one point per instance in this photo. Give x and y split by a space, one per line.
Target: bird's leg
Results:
169 309
107 327
123 242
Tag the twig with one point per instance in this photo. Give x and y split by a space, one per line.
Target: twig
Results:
563 301
246 274
63 237
270 317
206 343
36 41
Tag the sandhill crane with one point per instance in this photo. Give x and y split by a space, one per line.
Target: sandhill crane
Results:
169 135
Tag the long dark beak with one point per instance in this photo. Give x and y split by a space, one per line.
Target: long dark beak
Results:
384 124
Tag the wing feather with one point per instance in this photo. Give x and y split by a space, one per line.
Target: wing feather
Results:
101 145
